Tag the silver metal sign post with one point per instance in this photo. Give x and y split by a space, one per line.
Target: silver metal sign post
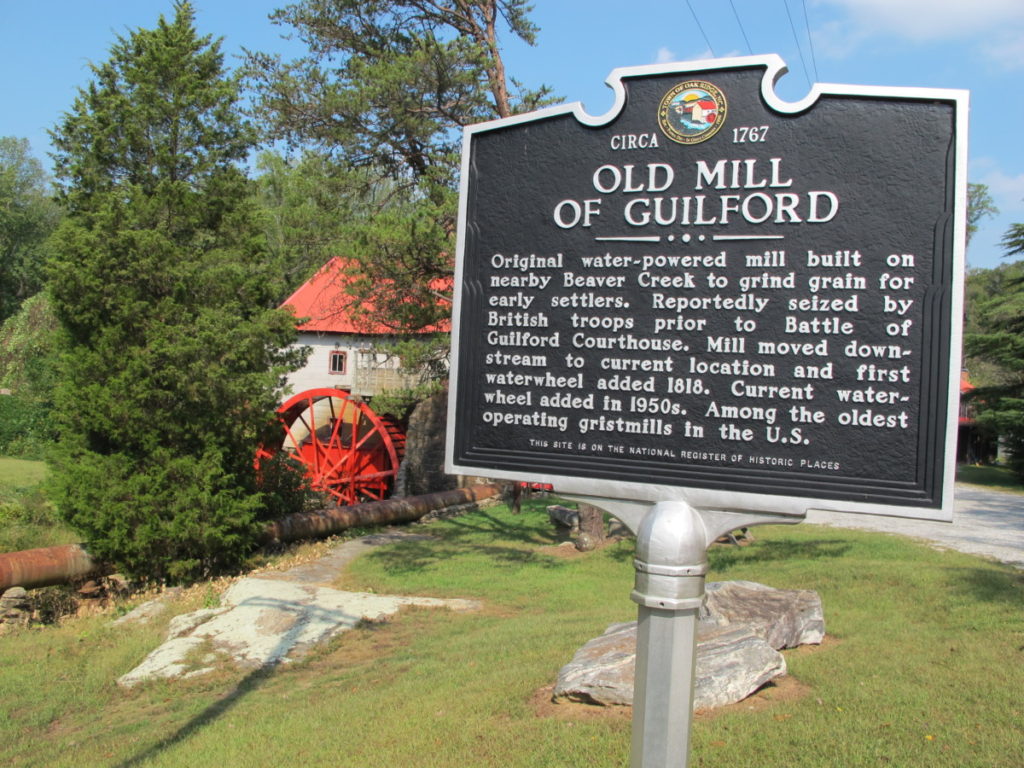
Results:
660 332
671 563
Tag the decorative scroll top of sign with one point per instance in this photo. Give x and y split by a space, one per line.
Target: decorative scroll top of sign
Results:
709 294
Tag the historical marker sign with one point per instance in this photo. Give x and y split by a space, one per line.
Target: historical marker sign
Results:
712 295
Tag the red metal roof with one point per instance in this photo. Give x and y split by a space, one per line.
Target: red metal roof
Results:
965 383
330 309
966 408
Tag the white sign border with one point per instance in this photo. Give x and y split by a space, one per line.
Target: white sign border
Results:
706 498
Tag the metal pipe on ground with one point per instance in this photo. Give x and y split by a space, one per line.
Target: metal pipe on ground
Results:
44 567
324 522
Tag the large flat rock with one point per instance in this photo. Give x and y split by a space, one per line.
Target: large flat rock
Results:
742 625
785 618
264 620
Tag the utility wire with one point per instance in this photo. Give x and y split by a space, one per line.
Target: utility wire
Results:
799 48
702 32
740 24
810 40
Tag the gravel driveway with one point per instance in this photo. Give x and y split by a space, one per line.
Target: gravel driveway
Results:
987 523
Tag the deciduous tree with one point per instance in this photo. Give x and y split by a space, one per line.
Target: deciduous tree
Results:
27 217
384 91
979 206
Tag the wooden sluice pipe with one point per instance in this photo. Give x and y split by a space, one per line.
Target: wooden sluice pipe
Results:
44 567
324 522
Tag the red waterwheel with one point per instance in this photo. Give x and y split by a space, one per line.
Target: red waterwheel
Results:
344 448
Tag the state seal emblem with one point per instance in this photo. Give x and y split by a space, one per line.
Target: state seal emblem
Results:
692 112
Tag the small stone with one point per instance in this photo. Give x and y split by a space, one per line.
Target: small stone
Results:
617 528
15 608
585 543
564 517
90 589
15 593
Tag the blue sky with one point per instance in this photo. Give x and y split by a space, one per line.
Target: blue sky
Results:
978 45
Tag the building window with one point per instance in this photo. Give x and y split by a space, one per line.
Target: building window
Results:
338 362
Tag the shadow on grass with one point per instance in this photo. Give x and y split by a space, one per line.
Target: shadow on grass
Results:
413 556
531 526
990 585
300 617
623 552
217 709
723 558
993 477
483 533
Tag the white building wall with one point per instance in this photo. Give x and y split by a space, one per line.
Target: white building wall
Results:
317 372
366 373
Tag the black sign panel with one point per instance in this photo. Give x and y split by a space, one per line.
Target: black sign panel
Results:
710 289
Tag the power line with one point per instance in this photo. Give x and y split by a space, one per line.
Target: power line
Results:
810 40
799 48
704 34
742 30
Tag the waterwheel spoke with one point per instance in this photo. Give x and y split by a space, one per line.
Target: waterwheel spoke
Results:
291 436
354 458
334 443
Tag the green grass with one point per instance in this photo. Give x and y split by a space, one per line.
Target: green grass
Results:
27 519
922 667
999 478
21 473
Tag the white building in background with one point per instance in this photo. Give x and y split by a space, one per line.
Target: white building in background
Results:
342 354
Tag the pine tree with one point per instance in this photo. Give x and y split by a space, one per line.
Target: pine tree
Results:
173 353
995 336
383 93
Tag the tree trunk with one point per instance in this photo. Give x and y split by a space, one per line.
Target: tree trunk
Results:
591 528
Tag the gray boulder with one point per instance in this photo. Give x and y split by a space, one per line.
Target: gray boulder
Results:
742 625
732 663
15 608
785 618
601 672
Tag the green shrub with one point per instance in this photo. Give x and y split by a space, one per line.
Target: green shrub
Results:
28 520
26 429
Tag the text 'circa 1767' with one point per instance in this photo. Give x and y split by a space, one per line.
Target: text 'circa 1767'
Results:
759 306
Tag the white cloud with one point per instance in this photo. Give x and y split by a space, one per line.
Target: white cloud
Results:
1007 191
698 55
837 40
1006 50
663 56
931 20
995 28
666 56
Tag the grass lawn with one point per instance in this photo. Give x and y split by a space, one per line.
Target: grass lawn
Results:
21 473
997 478
923 666
27 520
